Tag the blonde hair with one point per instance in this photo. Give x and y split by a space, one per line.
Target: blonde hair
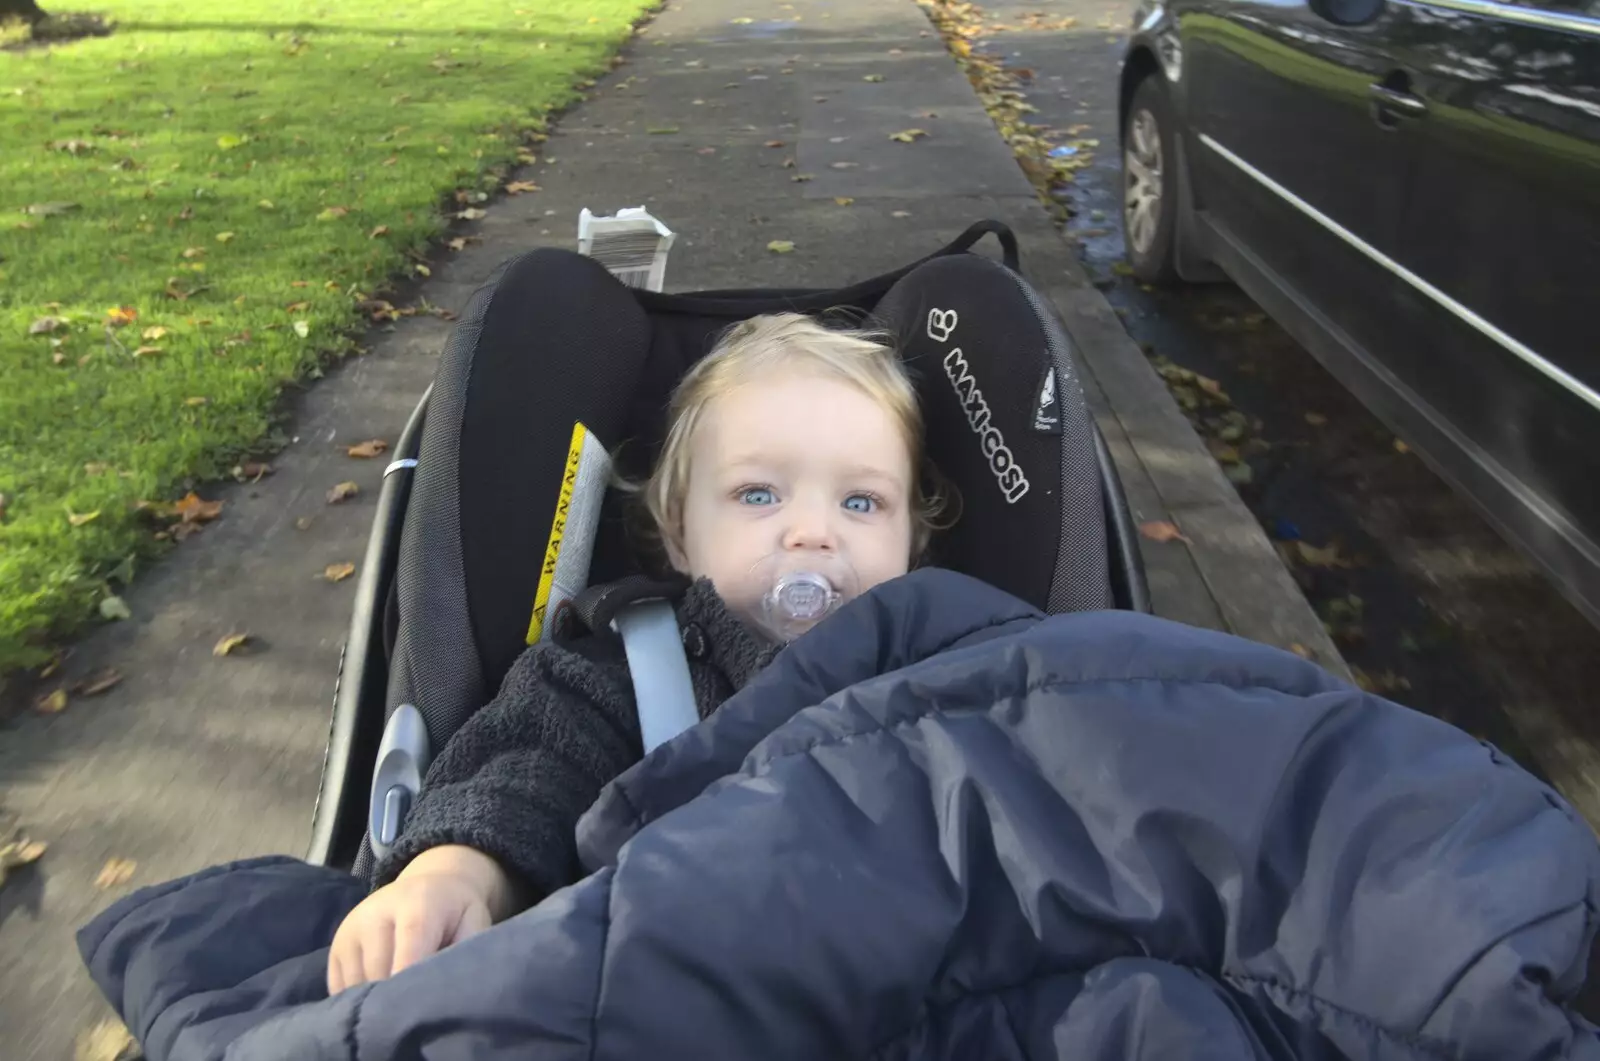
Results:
762 344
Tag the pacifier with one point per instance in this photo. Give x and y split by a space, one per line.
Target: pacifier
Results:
801 591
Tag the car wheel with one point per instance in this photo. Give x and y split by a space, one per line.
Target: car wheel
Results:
1150 183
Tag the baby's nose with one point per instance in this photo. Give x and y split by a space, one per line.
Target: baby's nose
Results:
810 527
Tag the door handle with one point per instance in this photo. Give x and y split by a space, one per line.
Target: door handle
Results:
1400 104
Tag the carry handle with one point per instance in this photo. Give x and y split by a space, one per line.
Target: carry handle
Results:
1001 231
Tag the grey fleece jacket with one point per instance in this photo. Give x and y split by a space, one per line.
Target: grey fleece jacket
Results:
515 779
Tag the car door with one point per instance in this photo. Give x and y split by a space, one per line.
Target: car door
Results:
1502 234
1293 167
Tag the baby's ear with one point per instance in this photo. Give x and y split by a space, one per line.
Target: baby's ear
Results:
675 554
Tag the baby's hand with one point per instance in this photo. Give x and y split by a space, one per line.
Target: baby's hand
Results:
444 896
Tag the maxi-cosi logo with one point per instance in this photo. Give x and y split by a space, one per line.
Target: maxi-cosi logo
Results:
1013 484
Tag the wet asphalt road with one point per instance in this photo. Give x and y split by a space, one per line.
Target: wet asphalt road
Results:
1426 601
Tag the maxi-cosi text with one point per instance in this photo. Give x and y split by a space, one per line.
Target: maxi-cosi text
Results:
1002 463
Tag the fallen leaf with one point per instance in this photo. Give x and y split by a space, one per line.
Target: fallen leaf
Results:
51 704
379 232
706 151
471 213
116 871
49 209
1325 557
457 244
225 237
333 213
1160 530
801 178
781 246
1300 650
341 492
906 136
421 270
154 333
19 852
842 200
78 519
518 187
874 78
843 165
196 401
372 447
302 328
900 213
338 572
1316 419
115 609
1238 474
304 522
98 682
251 471
109 1040
117 316
193 509
773 143
46 325
229 644
146 351
267 204
229 141
1401 447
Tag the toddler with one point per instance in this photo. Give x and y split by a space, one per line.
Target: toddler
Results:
791 479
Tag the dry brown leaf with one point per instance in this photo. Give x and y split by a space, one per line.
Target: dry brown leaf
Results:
773 143
338 572
457 244
518 187
100 681
251 471
333 213
117 316
116 871
1160 530
230 644
372 447
109 1040
192 509
19 852
52 703
341 492
471 213
147 351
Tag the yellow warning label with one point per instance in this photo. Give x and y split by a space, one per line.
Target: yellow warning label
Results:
558 530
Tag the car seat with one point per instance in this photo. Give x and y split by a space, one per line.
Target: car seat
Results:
552 339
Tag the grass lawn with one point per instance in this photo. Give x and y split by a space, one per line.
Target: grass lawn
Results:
190 210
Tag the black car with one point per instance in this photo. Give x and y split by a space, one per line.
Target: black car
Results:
1412 189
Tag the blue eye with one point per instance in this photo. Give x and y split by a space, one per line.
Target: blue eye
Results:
756 495
861 503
